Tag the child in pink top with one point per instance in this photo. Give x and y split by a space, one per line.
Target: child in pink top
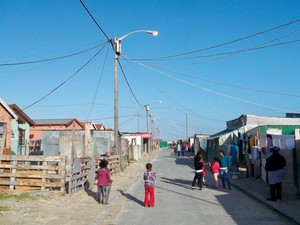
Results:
215 168
104 182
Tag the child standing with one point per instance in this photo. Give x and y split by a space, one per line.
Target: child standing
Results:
198 164
104 182
149 178
215 168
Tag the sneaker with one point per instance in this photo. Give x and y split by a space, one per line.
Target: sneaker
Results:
271 199
193 188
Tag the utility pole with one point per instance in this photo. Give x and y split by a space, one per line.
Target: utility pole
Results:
186 126
117 51
147 115
138 117
117 45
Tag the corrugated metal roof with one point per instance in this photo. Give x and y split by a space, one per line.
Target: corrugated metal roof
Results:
223 132
52 121
255 121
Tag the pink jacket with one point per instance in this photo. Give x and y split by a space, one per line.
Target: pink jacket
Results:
103 177
215 167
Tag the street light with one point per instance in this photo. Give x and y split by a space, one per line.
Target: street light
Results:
117 50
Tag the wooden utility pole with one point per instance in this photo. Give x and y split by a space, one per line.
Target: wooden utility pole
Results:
186 126
73 143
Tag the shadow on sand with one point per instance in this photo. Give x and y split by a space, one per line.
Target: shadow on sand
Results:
131 197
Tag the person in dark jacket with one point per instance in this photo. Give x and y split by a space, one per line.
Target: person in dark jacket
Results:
198 164
274 167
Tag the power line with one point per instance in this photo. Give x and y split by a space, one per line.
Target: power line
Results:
69 78
129 84
98 84
239 52
51 59
231 53
154 85
229 42
108 118
212 91
94 20
217 82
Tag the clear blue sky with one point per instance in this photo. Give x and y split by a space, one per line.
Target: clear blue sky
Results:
257 75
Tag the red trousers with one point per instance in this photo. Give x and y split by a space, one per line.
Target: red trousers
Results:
149 192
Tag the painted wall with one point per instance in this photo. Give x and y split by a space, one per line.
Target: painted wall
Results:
15 148
6 118
36 131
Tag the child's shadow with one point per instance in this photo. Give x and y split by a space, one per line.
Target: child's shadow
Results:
130 197
90 192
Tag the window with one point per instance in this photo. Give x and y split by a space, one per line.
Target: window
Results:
21 136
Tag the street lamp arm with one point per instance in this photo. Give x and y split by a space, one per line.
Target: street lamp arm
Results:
153 32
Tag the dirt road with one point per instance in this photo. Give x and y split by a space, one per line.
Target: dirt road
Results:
81 208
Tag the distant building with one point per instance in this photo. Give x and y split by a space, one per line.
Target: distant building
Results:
50 124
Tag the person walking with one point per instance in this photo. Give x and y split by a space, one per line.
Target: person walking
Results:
198 164
149 178
274 167
215 168
104 182
178 149
224 169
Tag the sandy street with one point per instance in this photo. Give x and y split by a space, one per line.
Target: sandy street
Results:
81 208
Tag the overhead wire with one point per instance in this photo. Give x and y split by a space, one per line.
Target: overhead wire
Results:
97 24
127 82
237 52
170 97
212 91
128 121
218 82
224 55
108 118
229 42
98 84
51 59
65 81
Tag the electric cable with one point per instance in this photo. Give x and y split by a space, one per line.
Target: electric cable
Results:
229 42
124 75
215 92
90 14
108 118
51 59
98 84
257 47
69 78
171 98
221 83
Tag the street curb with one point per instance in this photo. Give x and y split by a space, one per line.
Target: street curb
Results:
263 202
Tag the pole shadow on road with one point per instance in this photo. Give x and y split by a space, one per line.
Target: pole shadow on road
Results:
131 197
189 196
184 161
179 182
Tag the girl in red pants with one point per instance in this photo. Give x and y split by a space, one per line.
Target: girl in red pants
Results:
149 178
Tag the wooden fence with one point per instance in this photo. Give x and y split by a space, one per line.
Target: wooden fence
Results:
113 163
81 172
33 173
52 175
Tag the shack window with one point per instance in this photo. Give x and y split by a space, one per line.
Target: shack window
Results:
21 137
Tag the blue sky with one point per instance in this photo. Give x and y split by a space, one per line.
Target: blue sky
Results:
257 75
